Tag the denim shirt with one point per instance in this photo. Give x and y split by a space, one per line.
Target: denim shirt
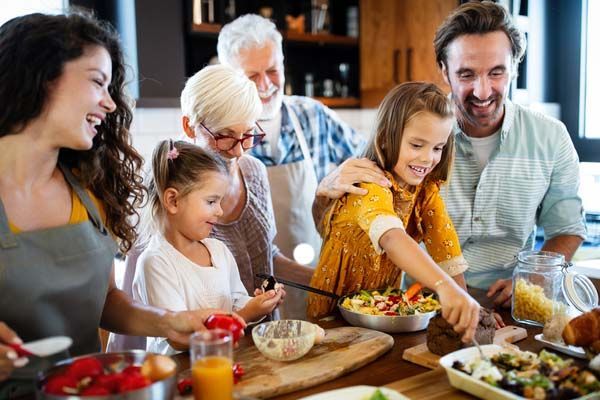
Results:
531 179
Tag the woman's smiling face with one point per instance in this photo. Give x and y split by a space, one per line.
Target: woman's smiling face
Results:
79 101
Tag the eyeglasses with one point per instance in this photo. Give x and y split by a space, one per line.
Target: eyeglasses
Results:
248 141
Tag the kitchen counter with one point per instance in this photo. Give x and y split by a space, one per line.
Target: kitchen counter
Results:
390 368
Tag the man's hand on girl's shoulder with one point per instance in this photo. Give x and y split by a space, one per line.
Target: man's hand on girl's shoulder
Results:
352 171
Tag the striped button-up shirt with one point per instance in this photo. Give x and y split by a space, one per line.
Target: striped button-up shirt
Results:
329 139
531 179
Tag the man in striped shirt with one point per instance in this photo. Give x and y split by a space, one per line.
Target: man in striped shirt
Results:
515 169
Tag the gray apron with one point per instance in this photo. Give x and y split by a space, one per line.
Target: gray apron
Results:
54 282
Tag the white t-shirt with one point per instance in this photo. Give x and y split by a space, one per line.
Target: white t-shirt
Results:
166 278
483 148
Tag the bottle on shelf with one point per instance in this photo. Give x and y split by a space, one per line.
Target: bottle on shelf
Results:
309 86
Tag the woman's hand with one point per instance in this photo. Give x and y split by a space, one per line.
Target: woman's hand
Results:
459 309
180 325
9 360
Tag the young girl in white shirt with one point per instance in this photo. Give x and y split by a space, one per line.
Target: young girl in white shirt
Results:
182 268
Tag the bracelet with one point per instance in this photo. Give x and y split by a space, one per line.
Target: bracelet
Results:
439 283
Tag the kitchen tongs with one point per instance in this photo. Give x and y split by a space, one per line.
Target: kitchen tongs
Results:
299 286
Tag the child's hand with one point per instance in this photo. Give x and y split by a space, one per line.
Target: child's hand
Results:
278 289
459 309
262 304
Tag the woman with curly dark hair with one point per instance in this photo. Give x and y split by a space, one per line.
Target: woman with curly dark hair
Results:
69 185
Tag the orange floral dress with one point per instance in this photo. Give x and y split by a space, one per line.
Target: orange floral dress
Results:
351 258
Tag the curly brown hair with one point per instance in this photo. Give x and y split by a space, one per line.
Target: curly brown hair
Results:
33 51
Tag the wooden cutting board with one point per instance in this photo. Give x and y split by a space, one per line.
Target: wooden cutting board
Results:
343 350
433 385
421 355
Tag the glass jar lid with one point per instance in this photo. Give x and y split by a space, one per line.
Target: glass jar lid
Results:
580 291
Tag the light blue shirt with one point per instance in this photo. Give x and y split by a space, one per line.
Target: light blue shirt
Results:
531 179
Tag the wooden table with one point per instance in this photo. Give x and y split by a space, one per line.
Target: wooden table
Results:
392 371
390 368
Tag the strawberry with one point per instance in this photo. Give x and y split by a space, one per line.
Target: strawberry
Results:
57 383
95 390
85 367
184 386
238 372
110 381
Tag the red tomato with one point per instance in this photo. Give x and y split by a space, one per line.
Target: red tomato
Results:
227 322
84 367
133 382
57 383
395 299
95 390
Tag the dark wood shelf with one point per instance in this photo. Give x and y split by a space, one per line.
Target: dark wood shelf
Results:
212 29
320 38
339 102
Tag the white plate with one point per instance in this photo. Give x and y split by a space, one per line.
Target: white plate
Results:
355 393
467 383
476 387
563 348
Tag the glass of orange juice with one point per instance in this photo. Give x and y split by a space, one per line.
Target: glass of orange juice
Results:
211 359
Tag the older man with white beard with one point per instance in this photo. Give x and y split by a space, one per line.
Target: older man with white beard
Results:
303 136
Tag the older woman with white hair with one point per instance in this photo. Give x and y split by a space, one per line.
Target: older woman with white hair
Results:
220 107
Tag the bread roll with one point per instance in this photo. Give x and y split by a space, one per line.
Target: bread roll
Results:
584 329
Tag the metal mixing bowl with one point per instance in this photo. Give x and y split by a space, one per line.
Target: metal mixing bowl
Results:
386 323
159 390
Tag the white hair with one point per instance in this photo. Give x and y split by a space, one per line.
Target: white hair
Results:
220 96
245 32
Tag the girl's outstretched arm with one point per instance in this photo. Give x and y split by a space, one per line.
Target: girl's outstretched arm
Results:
458 308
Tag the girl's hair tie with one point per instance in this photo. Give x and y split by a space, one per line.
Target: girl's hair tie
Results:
173 153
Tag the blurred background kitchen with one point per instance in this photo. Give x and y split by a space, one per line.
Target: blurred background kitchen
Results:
349 53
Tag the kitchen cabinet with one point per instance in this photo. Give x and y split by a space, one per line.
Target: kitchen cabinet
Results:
396 44
329 58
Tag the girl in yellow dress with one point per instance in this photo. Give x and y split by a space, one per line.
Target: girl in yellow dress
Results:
370 239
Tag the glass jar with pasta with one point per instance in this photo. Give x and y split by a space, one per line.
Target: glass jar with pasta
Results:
543 288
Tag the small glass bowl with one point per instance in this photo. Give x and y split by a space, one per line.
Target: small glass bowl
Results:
284 340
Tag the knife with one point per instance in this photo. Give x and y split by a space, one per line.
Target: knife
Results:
299 286
43 347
